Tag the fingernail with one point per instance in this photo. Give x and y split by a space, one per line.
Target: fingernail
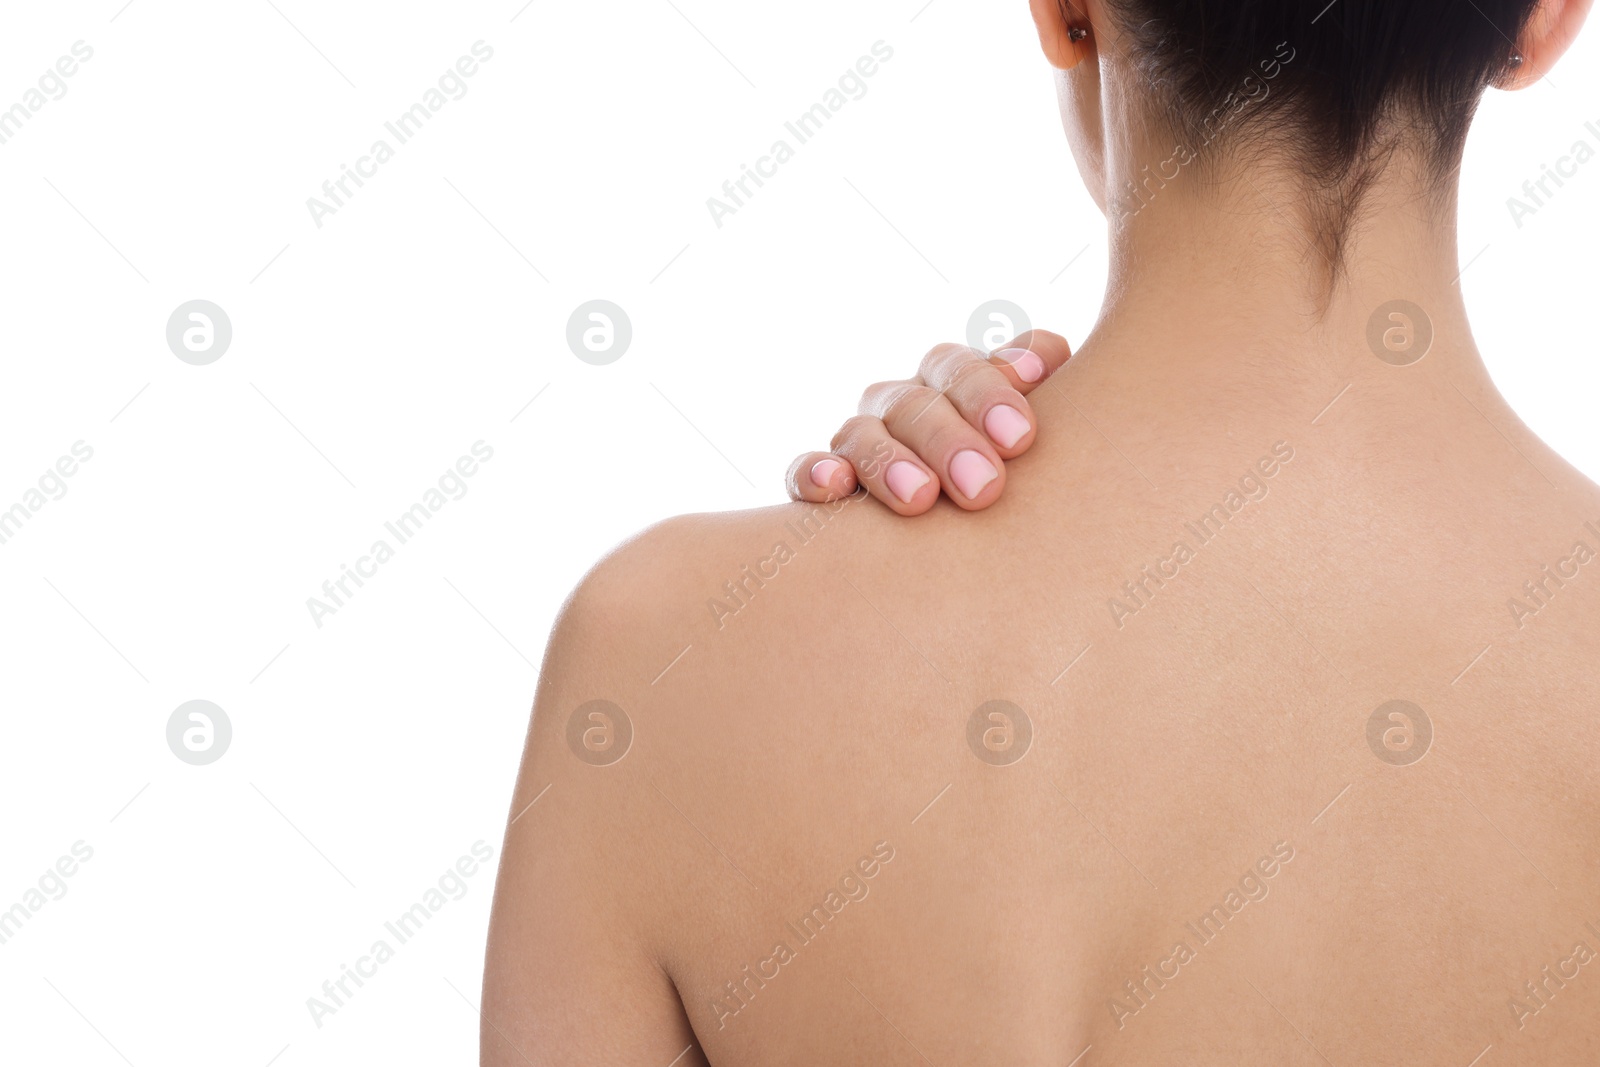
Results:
823 470
1006 425
1027 364
905 479
972 473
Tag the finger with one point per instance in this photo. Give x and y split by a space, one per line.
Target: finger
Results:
983 395
889 470
1030 359
920 418
819 477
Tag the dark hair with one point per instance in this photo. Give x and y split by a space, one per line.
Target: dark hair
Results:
1361 77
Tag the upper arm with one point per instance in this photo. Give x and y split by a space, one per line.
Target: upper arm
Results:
573 974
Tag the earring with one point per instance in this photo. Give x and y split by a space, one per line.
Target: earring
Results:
1078 33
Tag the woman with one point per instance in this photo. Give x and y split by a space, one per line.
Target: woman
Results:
1255 723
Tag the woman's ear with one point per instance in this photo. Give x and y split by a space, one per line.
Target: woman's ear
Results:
1551 30
1064 31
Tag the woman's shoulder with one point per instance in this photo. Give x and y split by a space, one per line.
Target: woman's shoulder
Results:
736 608
681 567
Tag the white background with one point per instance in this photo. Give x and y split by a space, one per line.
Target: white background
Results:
368 354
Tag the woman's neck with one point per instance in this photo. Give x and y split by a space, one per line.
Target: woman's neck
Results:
1213 277
1219 334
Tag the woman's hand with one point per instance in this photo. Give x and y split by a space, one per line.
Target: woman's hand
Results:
952 427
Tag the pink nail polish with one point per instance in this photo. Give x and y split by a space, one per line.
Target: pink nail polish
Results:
822 472
905 479
1006 425
972 473
1028 365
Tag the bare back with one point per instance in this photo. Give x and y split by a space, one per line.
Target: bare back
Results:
1245 738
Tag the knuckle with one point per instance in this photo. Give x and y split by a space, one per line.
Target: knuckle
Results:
936 357
850 434
977 379
877 397
947 439
911 402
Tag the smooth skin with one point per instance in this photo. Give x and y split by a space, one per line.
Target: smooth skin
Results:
825 842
